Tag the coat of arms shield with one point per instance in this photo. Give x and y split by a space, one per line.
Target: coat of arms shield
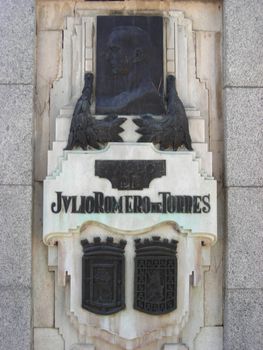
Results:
155 282
103 283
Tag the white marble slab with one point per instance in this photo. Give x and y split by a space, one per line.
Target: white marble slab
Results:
75 176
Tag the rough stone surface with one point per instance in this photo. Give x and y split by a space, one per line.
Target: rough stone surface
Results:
16 107
243 320
16 134
47 339
243 137
15 237
17 41
243 42
245 240
15 318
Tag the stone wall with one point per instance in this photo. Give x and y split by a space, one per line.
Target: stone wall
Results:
243 106
54 32
17 42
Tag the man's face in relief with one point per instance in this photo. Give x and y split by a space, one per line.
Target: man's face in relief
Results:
129 66
119 54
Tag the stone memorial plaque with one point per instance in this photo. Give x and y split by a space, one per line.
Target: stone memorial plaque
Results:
183 195
129 213
129 65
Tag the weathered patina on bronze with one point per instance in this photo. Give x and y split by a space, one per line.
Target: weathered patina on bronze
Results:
85 130
103 276
155 280
130 174
129 65
172 130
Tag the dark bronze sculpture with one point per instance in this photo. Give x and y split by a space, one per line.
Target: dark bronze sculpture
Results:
172 130
103 276
128 54
130 174
155 280
85 130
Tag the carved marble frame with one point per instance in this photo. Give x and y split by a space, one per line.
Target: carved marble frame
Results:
79 38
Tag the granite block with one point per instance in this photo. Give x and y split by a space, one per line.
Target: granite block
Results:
15 237
17 41
15 318
16 108
243 43
244 263
243 319
243 137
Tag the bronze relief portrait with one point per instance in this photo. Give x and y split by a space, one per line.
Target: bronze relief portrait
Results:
129 65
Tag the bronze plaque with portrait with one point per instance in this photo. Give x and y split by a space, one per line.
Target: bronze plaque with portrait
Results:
129 65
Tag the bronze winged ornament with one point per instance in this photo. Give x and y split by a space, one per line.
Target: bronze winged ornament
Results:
172 130
85 130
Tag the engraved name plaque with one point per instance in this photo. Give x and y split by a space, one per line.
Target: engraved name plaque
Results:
130 174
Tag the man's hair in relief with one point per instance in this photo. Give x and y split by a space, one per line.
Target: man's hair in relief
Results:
135 37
